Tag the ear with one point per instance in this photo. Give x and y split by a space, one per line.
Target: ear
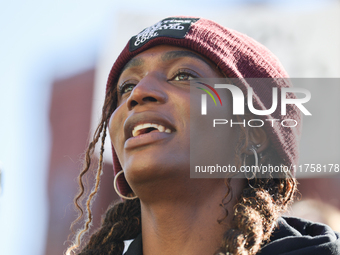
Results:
257 138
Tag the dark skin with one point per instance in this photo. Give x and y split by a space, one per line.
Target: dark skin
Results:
179 214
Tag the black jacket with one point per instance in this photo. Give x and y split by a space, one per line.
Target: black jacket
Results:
293 236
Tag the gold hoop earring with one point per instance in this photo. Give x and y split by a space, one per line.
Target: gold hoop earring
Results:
251 175
116 188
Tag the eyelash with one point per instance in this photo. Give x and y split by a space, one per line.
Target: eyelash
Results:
122 87
186 72
190 73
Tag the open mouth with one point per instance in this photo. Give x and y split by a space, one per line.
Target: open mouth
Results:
146 128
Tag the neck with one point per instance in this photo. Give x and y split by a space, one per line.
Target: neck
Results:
187 222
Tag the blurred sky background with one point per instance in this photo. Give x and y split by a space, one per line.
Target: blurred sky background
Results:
44 40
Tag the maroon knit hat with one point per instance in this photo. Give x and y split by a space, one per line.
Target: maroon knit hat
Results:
236 55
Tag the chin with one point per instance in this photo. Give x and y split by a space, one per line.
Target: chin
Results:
148 168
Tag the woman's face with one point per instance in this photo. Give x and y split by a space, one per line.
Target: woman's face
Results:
150 128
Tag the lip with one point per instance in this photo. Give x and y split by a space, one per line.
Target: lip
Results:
147 138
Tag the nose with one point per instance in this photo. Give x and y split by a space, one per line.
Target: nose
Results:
148 90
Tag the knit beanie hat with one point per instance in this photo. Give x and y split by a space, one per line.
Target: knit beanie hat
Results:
236 55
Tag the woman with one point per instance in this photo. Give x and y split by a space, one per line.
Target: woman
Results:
150 112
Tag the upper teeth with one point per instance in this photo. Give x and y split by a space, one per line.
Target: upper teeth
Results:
160 128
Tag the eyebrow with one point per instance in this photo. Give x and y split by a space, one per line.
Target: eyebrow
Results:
182 53
135 62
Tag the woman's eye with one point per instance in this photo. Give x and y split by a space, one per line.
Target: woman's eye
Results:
183 77
126 88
